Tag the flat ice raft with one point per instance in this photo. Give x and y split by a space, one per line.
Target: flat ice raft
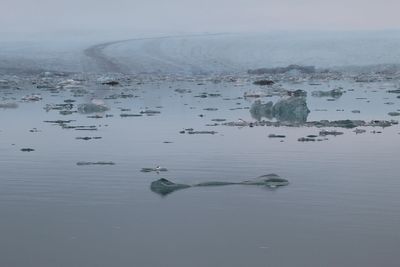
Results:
164 187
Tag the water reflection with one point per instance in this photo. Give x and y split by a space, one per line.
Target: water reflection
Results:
8 105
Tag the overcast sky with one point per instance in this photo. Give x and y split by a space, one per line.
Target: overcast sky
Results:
197 15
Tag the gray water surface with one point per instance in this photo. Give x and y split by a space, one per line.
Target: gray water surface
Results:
341 207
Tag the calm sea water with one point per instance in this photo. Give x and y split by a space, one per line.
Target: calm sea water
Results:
341 208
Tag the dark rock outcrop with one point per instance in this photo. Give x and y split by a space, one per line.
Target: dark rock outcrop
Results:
264 82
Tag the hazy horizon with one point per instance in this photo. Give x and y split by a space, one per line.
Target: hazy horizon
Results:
45 16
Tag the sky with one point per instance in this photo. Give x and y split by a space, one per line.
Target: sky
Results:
197 15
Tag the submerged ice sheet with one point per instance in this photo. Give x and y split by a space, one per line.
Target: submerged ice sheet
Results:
165 187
